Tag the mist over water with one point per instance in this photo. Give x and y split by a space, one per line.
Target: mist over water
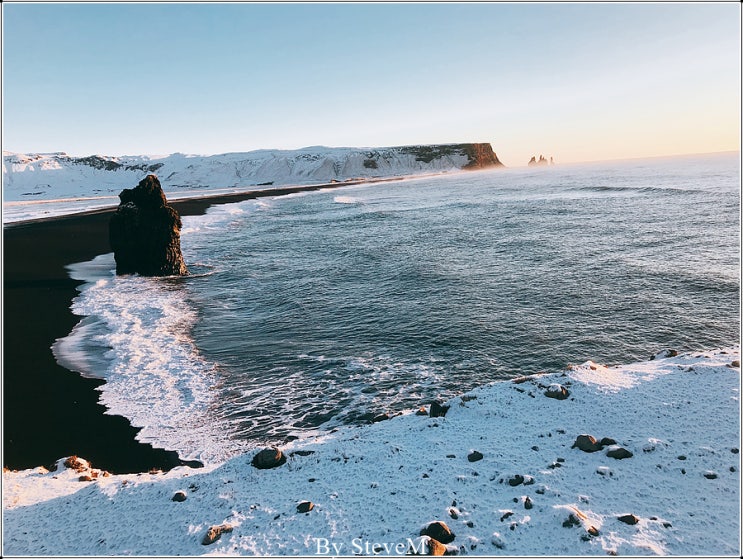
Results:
332 307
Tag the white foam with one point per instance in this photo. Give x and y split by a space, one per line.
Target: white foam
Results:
346 200
137 336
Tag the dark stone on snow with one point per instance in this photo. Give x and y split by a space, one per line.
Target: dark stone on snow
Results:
516 480
586 443
302 453
528 504
570 522
145 232
607 441
630 519
268 458
179 496
380 417
619 453
474 456
305 506
439 531
438 410
557 391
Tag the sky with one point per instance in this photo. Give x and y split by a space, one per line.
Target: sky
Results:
578 82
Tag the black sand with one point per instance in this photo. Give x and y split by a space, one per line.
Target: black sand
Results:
48 411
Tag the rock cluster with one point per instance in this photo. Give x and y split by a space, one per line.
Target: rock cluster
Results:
541 161
145 232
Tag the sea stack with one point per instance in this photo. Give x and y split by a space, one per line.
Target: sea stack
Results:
145 232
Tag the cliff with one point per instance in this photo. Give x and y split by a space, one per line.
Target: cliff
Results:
58 175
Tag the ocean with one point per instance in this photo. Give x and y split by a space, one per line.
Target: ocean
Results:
310 311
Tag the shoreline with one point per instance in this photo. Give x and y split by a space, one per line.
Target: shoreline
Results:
508 468
50 412
197 200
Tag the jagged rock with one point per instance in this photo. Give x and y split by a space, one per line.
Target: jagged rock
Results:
214 533
474 456
586 443
542 161
380 417
305 506
665 353
268 458
630 519
75 463
145 232
619 453
571 521
528 504
421 411
557 391
438 410
439 531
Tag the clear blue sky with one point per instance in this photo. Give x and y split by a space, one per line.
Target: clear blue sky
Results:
576 81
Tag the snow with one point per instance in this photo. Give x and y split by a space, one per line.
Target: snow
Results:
374 487
48 185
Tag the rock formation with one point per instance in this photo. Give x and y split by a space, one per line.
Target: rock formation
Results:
541 161
145 232
481 156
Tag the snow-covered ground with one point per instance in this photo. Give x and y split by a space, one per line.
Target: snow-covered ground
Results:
53 184
375 487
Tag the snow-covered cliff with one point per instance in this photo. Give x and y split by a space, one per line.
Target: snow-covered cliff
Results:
57 175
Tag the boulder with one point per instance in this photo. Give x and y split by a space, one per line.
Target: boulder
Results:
618 452
436 548
438 410
268 458
179 496
145 232
516 480
439 531
557 391
214 533
474 456
586 443
305 506
630 519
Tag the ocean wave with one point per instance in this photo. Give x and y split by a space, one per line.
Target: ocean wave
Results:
136 335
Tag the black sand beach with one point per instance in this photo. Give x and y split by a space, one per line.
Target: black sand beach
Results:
50 412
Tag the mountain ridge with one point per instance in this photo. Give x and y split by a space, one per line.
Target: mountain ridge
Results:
53 175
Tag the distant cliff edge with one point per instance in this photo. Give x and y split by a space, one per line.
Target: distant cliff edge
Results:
41 176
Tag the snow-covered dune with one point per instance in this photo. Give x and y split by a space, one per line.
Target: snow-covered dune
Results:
500 469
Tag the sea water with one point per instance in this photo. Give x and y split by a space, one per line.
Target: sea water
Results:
314 310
